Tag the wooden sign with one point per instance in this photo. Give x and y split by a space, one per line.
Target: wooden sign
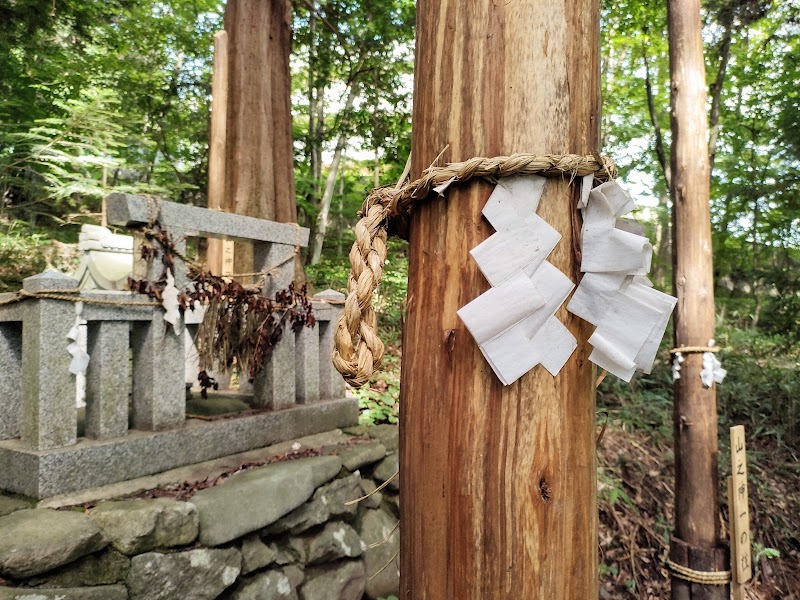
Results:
227 257
741 567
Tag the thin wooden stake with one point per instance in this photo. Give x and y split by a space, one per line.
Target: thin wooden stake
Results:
215 256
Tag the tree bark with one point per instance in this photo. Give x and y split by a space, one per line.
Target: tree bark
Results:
260 155
696 541
498 483
216 150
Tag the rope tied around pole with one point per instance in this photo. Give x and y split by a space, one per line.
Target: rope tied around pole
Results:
700 577
358 350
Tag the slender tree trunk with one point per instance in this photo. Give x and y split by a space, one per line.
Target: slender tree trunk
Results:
717 85
498 483
216 151
260 155
651 107
663 242
330 182
696 541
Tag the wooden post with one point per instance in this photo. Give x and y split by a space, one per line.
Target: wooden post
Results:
259 153
498 483
216 151
696 541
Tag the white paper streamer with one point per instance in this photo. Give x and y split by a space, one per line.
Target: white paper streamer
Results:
513 322
80 359
614 294
712 369
169 300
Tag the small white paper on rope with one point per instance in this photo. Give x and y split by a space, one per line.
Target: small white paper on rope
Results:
513 322
614 294
169 300
712 369
80 358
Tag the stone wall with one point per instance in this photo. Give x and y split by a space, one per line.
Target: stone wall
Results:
282 530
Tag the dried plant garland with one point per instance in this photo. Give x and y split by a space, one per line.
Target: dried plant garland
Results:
240 326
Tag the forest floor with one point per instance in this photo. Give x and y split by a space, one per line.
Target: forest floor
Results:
636 468
636 491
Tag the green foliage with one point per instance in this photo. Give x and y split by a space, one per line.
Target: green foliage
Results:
98 95
59 161
379 400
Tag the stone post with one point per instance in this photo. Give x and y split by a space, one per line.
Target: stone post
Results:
49 416
107 382
331 384
307 364
159 359
274 385
10 381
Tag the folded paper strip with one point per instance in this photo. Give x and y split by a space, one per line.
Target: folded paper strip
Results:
614 294
80 359
513 323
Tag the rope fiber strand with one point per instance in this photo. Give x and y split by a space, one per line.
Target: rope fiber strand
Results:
358 350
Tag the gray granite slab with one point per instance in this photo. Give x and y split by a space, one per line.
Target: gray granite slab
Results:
100 592
49 416
49 281
130 210
107 380
10 312
92 463
10 380
307 365
277 261
159 361
105 312
274 384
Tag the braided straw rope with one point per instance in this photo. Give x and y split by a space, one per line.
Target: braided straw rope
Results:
358 350
701 577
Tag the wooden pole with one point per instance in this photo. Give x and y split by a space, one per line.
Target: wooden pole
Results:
696 541
499 483
216 150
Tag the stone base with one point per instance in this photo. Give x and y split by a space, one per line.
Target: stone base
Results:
91 463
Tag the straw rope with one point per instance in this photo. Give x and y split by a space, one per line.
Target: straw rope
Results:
695 349
700 577
358 350
72 295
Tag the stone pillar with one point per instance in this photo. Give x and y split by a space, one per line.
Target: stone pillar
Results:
151 270
331 384
107 382
10 381
307 364
49 416
274 385
159 393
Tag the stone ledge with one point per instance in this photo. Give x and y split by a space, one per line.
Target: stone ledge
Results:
103 592
253 499
91 463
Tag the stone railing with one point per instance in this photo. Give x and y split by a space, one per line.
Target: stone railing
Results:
135 419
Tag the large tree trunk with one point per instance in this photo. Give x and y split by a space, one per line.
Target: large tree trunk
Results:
696 542
260 156
498 483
